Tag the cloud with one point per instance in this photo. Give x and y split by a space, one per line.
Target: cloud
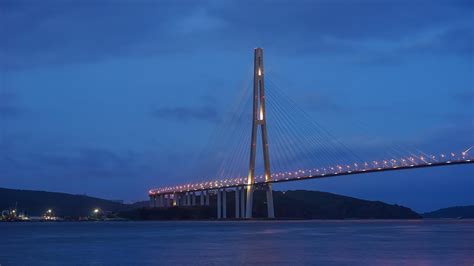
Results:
323 102
79 31
199 21
185 114
453 40
457 40
83 163
82 32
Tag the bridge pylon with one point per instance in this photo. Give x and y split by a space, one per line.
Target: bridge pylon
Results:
259 120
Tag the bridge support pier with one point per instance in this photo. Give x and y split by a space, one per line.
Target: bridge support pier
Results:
157 201
207 198
161 200
168 201
237 203
242 202
201 198
249 207
193 198
219 207
270 210
152 201
175 200
224 203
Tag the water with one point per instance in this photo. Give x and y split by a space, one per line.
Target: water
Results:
435 242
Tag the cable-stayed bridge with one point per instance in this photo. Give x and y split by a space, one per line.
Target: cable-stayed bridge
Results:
294 147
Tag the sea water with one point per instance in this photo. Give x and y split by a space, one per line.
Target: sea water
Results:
347 242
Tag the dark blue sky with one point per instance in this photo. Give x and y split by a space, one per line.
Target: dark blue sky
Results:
109 98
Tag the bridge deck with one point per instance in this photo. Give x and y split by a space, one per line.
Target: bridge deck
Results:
299 175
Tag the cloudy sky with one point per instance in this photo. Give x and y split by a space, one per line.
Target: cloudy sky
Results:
109 98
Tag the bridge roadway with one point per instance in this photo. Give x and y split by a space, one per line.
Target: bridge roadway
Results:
297 175
186 195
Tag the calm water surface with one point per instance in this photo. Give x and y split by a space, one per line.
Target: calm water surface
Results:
446 242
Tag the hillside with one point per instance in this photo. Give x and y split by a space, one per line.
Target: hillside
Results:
322 205
298 204
452 212
35 203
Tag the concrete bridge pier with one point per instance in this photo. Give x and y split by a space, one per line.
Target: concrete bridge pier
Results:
181 199
219 207
237 202
207 198
249 207
175 199
193 198
224 203
168 200
242 202
152 202
157 201
270 210
161 200
201 199
221 203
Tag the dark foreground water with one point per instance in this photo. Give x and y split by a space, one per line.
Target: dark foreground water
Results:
446 242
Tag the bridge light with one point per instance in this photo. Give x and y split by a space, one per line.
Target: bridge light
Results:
260 72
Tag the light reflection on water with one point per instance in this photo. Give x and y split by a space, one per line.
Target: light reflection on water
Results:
428 242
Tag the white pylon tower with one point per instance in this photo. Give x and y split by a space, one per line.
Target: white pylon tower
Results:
259 120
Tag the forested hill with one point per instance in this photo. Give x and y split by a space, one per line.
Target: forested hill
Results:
35 203
297 204
466 212
323 205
